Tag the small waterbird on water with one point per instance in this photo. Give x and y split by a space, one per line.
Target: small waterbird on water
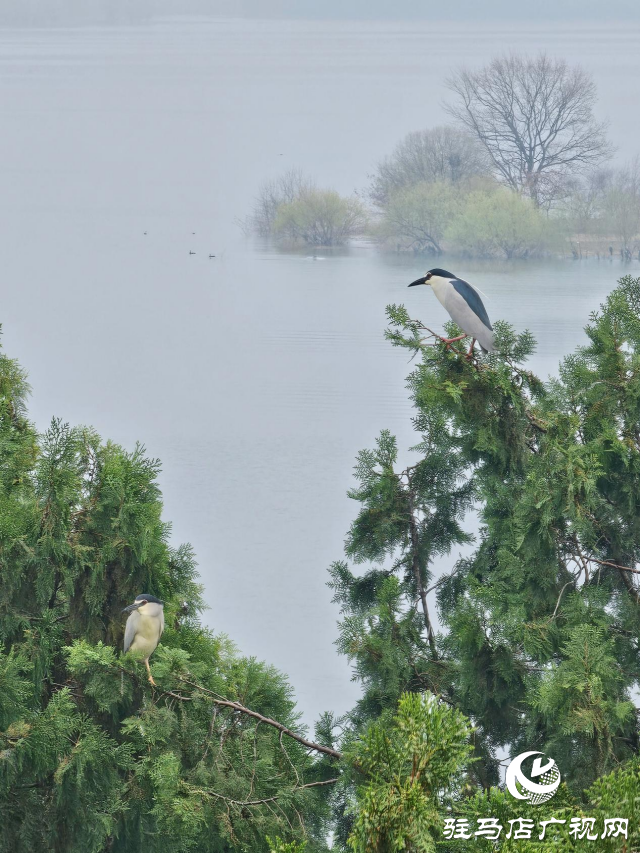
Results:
144 627
191 253
464 305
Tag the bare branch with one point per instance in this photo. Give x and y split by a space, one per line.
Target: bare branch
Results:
236 706
244 803
534 117
439 154
613 565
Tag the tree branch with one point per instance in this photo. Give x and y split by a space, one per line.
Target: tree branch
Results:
236 706
243 803
415 566
613 565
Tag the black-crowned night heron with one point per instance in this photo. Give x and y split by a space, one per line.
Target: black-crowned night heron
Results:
463 303
144 627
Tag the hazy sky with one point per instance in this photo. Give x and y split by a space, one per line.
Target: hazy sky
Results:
42 12
499 10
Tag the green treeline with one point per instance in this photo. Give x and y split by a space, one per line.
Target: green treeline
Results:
538 648
523 171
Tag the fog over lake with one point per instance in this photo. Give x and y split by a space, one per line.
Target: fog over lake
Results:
257 375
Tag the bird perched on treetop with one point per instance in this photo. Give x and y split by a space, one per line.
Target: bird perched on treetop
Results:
144 627
463 303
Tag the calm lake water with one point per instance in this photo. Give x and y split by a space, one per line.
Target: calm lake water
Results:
255 376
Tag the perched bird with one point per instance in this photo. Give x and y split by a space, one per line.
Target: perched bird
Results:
144 627
463 303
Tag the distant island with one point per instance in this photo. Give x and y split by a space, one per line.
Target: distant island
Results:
524 170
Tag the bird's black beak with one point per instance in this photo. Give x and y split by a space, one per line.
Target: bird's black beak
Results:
422 280
131 607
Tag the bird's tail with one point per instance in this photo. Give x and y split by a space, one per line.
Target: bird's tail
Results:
487 344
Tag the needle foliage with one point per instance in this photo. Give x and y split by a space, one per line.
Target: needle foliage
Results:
533 633
91 758
529 641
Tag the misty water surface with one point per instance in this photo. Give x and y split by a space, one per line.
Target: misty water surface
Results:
255 376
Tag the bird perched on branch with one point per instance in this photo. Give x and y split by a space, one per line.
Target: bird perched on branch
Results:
144 627
464 305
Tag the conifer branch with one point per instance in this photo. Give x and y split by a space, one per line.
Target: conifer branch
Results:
415 566
444 578
624 572
265 800
236 706
555 609
613 565
533 420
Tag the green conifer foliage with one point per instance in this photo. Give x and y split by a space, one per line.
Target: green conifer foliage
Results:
91 758
537 647
538 644
407 763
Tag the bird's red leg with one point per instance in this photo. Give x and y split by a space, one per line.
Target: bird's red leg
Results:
151 681
449 341
446 341
473 340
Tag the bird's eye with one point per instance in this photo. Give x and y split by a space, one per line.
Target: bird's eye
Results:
428 276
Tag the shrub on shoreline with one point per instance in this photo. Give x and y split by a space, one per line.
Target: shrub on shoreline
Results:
319 218
501 223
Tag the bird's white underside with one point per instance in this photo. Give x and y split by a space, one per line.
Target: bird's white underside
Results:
460 312
144 628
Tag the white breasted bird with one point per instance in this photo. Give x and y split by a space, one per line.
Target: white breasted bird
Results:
144 627
463 303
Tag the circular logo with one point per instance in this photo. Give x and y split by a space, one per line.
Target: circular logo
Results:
547 778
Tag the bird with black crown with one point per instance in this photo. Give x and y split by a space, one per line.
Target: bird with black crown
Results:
464 305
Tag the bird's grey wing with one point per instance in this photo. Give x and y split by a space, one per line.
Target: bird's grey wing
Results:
472 298
467 311
130 629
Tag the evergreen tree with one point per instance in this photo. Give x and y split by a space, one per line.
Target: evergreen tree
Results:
91 758
538 647
540 625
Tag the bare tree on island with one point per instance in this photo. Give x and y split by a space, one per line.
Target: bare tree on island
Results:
438 154
535 119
